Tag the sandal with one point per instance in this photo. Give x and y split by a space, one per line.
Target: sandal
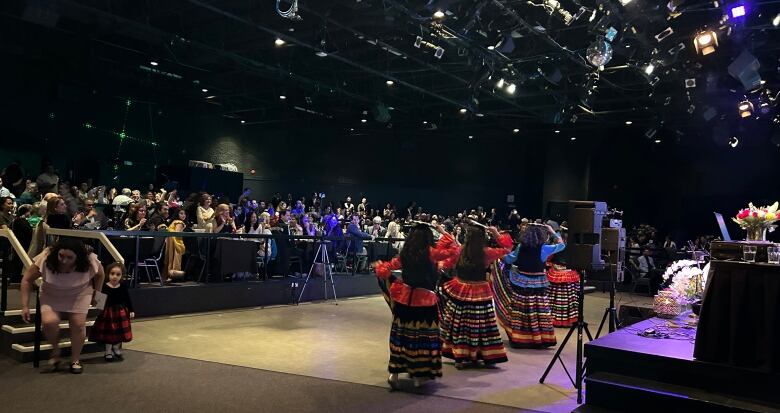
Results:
76 368
393 381
54 364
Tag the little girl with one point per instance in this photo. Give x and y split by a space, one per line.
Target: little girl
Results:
112 326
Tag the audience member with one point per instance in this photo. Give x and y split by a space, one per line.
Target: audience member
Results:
48 180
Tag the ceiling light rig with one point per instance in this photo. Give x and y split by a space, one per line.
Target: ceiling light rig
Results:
745 109
706 42
291 13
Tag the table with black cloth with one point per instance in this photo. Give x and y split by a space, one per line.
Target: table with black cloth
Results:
740 316
235 256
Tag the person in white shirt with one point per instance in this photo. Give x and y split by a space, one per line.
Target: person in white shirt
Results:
123 198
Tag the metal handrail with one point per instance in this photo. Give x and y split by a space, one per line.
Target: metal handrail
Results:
98 235
21 253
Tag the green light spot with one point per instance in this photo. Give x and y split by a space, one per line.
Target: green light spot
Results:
122 135
88 125
129 102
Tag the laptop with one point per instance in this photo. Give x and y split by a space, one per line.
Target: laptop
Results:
722 224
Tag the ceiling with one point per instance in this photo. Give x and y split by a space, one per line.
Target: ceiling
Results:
339 56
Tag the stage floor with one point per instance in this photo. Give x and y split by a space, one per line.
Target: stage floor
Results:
348 342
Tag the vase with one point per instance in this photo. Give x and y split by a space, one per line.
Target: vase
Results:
667 305
756 234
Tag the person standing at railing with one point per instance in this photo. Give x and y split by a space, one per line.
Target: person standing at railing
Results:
174 251
69 273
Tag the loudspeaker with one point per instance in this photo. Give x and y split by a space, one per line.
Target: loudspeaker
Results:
630 314
613 239
584 237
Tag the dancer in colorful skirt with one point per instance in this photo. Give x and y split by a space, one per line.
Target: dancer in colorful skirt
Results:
563 293
468 320
520 289
415 347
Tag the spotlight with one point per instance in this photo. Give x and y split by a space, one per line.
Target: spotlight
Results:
745 109
425 122
491 47
243 121
573 138
471 136
738 11
657 141
734 141
204 90
282 97
439 14
690 83
511 89
649 69
279 42
515 130
706 42
463 110
479 115
321 54
153 63
624 2
500 83
628 122
557 131
390 83
439 52
776 20
363 121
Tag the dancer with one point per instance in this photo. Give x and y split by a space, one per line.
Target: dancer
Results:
468 320
414 336
112 326
563 293
520 290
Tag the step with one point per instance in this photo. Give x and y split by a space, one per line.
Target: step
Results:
30 328
584 408
24 352
15 316
624 393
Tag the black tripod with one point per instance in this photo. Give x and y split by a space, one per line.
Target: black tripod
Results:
579 326
610 311
327 271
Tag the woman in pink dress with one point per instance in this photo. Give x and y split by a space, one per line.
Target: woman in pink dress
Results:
69 273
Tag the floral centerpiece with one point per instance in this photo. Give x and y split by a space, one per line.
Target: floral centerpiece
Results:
683 284
757 220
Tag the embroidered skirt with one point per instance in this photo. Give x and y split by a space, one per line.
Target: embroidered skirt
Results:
112 326
523 309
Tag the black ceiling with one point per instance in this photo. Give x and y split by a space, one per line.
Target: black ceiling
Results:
227 47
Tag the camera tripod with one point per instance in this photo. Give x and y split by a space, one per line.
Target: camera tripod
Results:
324 260
579 326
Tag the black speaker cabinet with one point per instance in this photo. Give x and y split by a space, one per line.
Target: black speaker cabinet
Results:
584 238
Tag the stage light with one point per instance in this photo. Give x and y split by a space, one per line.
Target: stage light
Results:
515 130
438 14
511 89
471 136
706 42
500 83
557 131
463 110
210 97
479 115
363 121
279 42
628 122
657 141
573 138
243 121
425 122
491 47
734 141
745 109
390 83
321 54
153 63
204 90
624 2
738 11
776 20
282 97
649 69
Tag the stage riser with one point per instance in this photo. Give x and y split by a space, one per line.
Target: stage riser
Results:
27 357
624 397
150 301
709 377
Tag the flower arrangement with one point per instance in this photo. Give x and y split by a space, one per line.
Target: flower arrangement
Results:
756 220
685 280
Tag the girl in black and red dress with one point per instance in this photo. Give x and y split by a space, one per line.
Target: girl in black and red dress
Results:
112 326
